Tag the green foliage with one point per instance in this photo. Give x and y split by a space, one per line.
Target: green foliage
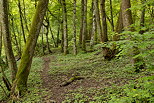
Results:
141 91
143 44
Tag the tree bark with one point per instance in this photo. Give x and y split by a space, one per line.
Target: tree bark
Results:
127 14
119 26
74 27
111 13
20 84
0 40
84 30
65 29
104 24
92 41
21 21
142 19
97 14
127 22
81 23
7 39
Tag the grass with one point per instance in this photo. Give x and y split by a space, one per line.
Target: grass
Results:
34 84
105 81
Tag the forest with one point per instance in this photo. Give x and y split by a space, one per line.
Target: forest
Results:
76 51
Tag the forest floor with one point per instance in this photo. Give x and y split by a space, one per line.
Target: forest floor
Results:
101 81
99 77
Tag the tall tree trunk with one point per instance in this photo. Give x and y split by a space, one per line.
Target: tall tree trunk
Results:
7 39
119 26
127 21
21 21
15 38
47 33
74 27
84 30
0 39
65 29
58 33
43 46
81 24
2 63
142 19
99 27
24 15
104 24
52 36
111 13
92 41
20 84
127 14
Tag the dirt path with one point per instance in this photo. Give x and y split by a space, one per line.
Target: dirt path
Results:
56 94
51 83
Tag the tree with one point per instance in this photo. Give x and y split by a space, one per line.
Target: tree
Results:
127 14
74 26
84 29
104 24
21 20
20 84
127 22
7 39
97 14
65 29
0 40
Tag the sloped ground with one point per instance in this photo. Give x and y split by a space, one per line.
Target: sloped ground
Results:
103 80
100 78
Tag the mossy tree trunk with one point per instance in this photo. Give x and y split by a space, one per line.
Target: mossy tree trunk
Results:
7 38
20 84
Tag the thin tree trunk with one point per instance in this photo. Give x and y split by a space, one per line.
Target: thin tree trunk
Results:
142 19
20 84
24 16
58 32
53 37
47 33
7 40
99 27
91 21
119 26
92 41
84 30
74 27
15 38
111 13
0 39
81 24
21 21
104 24
65 29
43 46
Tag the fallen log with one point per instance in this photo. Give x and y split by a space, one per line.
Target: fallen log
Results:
71 80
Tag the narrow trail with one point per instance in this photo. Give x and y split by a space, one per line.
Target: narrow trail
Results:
44 73
50 83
